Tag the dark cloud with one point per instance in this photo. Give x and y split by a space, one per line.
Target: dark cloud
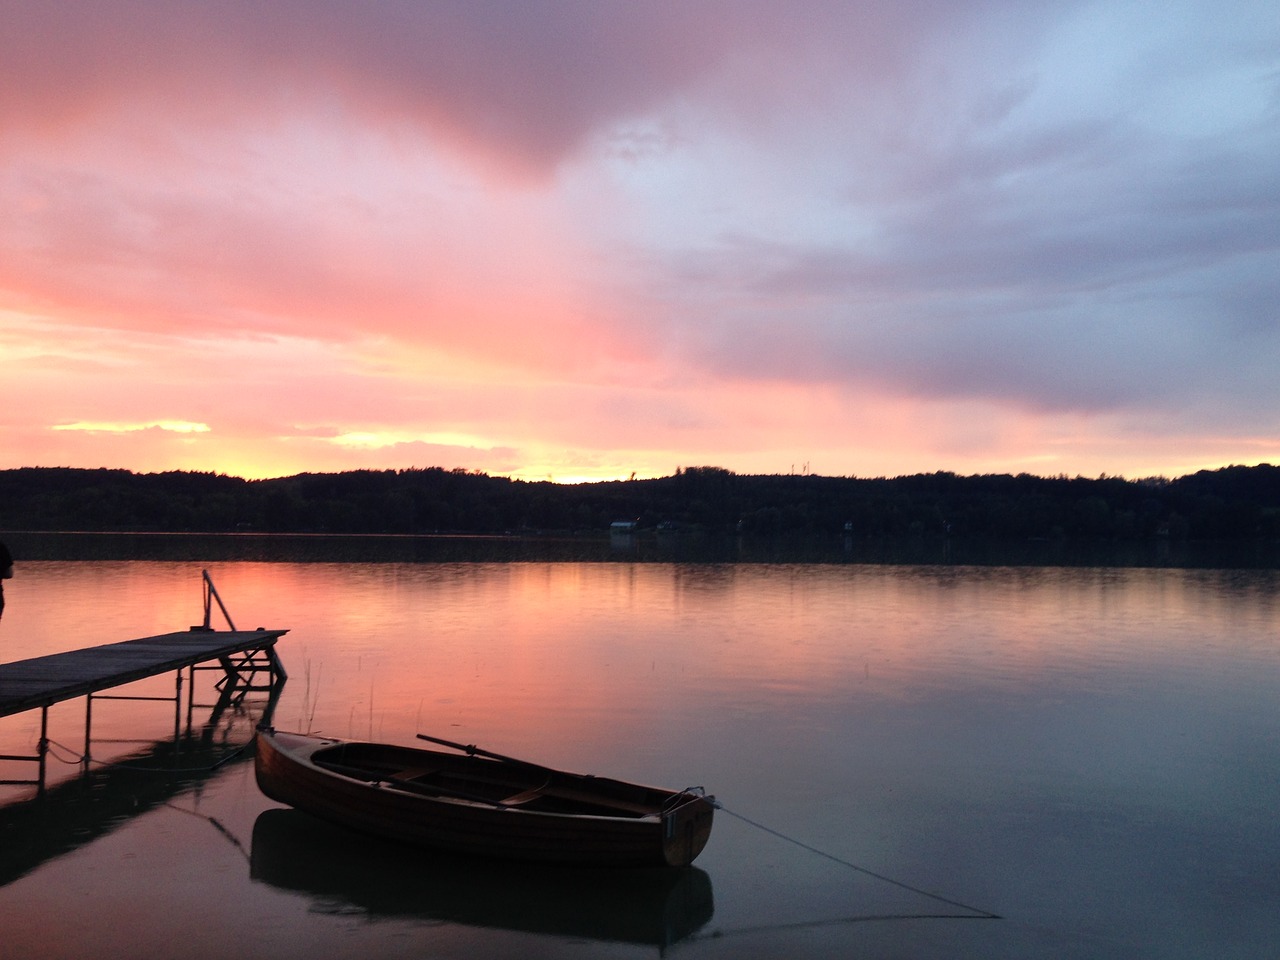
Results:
525 80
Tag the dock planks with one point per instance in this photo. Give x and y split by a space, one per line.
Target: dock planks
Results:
44 681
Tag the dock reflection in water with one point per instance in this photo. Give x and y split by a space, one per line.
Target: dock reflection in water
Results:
78 811
75 811
341 869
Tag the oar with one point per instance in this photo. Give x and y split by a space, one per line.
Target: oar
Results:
471 750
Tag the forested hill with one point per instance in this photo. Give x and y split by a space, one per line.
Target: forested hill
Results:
1233 503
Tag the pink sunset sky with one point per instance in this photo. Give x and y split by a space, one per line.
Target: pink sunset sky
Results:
581 240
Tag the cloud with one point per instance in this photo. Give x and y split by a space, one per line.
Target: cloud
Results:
1026 235
522 81
173 426
643 229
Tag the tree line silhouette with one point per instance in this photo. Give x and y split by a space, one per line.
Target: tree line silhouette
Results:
1232 503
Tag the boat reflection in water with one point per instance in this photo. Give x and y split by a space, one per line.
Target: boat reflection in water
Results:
658 907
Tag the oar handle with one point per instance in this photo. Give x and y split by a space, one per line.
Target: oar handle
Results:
464 747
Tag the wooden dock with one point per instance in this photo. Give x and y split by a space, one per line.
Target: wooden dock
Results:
41 682
44 681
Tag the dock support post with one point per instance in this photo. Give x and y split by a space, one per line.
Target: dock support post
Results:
278 675
88 720
177 707
40 758
42 749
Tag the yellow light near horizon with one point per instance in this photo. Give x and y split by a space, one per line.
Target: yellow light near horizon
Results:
172 426
362 440
181 426
572 479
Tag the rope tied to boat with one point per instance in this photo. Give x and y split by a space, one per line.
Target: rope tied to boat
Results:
977 912
682 797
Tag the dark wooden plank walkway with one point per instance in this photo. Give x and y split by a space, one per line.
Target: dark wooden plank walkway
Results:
44 681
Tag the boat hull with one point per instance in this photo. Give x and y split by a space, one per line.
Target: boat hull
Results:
630 825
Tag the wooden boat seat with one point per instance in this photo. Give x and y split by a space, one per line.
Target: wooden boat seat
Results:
612 803
516 799
414 773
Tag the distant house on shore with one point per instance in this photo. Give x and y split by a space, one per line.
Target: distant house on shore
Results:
623 526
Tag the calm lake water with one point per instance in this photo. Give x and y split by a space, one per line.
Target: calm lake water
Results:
1091 753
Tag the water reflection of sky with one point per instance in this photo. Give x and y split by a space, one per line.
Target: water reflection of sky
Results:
1089 752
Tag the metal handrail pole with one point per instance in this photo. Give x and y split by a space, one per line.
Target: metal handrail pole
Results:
212 591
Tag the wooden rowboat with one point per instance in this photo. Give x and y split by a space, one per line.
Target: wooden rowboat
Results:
476 802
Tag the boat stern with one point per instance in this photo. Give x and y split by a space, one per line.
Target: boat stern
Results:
686 826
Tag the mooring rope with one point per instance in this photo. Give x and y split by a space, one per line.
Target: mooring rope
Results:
74 757
977 912
234 840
